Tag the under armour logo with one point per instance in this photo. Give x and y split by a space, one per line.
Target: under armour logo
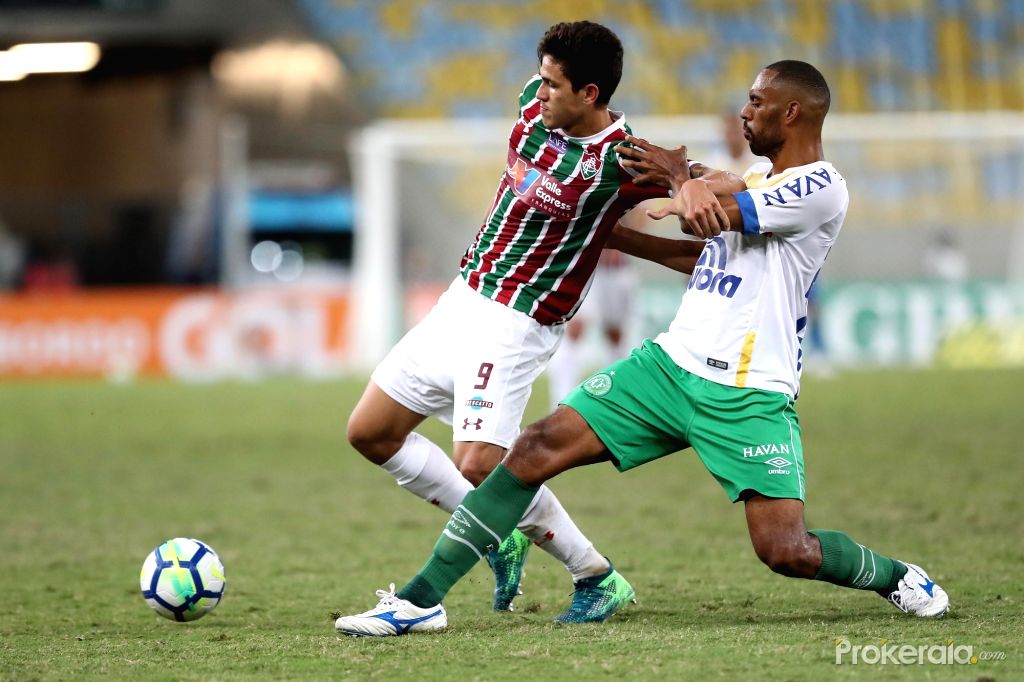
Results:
466 423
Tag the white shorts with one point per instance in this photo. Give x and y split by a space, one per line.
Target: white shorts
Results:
471 363
609 302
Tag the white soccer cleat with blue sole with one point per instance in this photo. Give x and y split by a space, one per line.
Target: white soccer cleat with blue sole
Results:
391 617
918 595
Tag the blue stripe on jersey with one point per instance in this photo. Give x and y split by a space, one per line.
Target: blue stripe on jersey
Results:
751 225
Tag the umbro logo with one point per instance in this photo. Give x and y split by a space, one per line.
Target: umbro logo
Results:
778 462
460 518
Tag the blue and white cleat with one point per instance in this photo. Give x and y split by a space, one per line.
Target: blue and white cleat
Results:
918 595
391 617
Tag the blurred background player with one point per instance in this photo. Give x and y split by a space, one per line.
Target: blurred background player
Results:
734 154
608 307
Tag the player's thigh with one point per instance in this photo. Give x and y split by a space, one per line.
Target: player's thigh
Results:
495 372
378 417
635 407
749 439
417 373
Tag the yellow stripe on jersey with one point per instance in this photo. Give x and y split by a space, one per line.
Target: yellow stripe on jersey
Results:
745 355
760 179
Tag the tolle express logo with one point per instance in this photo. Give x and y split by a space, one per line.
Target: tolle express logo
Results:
541 191
523 178
709 273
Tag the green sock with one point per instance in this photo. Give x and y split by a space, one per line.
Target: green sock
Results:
846 563
486 516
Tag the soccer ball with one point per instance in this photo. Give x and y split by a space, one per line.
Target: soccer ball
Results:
182 579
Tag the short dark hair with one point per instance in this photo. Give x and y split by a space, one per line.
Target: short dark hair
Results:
588 53
805 77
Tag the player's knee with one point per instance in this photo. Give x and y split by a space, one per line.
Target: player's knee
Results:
477 460
788 557
371 442
531 451
475 470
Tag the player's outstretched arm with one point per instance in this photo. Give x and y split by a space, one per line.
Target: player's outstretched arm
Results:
676 254
706 205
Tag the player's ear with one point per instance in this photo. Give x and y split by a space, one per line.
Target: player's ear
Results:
590 93
792 112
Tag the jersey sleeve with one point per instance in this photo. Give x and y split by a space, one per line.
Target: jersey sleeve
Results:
796 206
629 188
529 94
636 193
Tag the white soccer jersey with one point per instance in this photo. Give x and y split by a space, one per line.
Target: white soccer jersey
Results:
742 317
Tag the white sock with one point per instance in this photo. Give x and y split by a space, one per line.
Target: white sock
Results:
422 468
548 524
564 370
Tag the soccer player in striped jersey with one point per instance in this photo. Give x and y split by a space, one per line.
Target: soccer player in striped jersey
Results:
472 361
723 379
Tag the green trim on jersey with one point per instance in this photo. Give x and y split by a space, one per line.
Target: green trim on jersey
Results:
646 406
535 226
529 148
490 231
605 189
529 92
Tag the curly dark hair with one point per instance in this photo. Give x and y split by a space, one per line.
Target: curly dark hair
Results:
588 53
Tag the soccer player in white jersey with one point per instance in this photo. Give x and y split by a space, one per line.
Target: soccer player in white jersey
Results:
723 379
472 361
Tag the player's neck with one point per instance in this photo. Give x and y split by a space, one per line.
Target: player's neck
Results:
591 123
797 153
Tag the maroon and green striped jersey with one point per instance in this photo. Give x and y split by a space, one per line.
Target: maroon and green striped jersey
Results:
555 207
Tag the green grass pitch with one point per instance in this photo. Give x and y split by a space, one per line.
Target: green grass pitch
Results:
926 466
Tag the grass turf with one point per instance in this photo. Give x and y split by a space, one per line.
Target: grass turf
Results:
924 466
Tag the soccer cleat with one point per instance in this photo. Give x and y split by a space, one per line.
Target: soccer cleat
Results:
507 563
392 616
597 598
918 595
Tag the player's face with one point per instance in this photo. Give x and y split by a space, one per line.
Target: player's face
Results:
560 107
762 116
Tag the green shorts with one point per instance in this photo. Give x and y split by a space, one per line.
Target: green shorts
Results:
646 407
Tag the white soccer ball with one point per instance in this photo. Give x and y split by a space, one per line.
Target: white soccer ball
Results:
182 579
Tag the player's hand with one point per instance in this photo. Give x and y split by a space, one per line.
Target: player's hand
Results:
705 215
701 213
656 165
